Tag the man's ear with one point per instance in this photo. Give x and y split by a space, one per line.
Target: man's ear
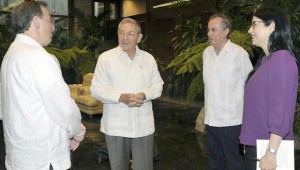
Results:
227 31
140 37
36 22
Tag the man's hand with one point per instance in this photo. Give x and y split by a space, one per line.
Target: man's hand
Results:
141 96
132 100
81 134
75 141
126 98
73 144
138 100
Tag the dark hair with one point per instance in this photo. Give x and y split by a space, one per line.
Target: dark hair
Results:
226 23
280 38
23 14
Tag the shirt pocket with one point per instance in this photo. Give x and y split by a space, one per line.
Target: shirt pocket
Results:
143 74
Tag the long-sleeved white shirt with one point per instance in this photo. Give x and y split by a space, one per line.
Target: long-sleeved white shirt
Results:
115 74
224 77
39 115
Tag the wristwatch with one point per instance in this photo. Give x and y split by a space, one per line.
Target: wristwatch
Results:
271 150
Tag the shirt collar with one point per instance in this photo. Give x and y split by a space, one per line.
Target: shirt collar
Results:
227 46
27 40
137 52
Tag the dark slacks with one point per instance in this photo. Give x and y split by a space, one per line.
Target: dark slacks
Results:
224 148
250 158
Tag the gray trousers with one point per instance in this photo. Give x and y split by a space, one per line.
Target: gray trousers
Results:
119 149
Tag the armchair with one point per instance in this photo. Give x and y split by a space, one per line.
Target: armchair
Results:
82 96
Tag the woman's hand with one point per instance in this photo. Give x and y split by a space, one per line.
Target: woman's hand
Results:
268 161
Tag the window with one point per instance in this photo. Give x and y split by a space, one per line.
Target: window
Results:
99 8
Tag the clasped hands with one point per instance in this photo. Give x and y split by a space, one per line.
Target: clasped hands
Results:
75 141
133 100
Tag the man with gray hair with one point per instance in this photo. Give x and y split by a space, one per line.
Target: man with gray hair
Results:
225 70
41 121
126 79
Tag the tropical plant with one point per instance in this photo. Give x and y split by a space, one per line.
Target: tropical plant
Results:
6 33
90 32
69 55
242 10
82 48
184 37
188 66
187 34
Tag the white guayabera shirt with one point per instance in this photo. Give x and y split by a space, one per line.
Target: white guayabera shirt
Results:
39 115
224 77
115 74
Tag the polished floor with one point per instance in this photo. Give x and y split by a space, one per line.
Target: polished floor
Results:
180 146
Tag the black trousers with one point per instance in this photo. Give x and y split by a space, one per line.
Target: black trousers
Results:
224 148
250 157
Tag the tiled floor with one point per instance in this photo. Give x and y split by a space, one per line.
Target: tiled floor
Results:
180 146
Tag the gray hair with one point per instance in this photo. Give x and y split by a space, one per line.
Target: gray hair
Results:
132 21
23 14
226 23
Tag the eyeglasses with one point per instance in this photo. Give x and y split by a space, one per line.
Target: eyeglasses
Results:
254 23
128 34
